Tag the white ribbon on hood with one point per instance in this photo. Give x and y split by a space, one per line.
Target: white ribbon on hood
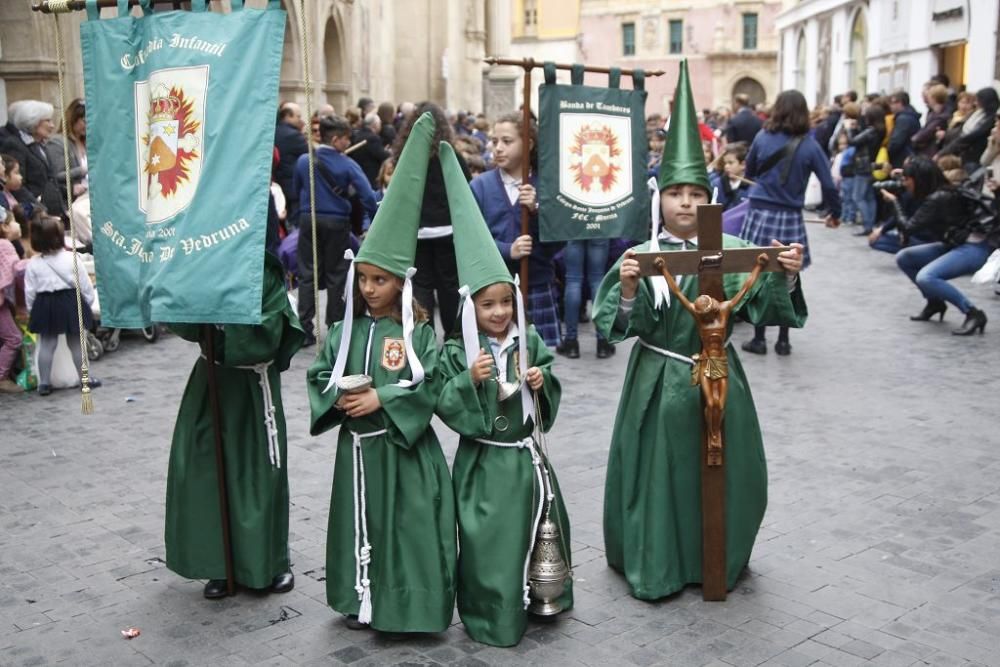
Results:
661 291
416 368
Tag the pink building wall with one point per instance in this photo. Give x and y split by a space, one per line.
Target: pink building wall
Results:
711 79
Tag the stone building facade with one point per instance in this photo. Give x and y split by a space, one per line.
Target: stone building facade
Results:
382 49
830 46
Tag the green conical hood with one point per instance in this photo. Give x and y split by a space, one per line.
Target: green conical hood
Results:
479 260
391 242
683 160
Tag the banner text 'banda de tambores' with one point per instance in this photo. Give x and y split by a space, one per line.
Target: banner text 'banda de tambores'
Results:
180 124
591 160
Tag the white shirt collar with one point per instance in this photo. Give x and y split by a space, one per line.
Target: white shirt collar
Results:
666 236
509 180
508 342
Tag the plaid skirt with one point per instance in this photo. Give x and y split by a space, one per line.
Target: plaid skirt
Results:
541 307
763 224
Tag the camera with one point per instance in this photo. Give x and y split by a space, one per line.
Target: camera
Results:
891 186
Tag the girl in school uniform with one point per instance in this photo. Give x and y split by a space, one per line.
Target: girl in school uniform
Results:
500 195
50 297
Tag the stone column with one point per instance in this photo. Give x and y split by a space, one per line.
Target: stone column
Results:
498 27
501 92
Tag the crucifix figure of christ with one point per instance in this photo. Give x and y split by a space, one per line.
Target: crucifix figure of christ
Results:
711 367
710 262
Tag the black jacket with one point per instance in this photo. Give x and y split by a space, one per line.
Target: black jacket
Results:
906 124
35 171
925 141
743 126
934 216
969 146
434 211
291 143
824 131
370 156
866 143
950 215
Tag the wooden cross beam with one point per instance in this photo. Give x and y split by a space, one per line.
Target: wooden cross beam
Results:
710 262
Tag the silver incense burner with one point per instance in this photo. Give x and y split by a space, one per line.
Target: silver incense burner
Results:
547 570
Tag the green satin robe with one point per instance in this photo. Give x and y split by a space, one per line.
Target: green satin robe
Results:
652 497
410 504
257 490
496 491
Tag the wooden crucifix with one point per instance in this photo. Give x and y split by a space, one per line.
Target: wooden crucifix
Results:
710 262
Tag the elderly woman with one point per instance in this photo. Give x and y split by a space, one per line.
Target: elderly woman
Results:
28 130
76 132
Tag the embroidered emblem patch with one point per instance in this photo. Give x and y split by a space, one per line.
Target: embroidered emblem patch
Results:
393 354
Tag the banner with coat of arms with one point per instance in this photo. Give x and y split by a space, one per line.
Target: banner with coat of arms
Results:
180 127
592 154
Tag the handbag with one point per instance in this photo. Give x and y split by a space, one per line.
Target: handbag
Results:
990 271
882 158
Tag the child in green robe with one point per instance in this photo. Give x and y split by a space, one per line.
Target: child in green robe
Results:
652 498
391 550
497 381
249 360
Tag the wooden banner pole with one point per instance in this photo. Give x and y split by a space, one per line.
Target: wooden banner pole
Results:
80 5
526 172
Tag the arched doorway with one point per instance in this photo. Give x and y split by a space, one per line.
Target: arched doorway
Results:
800 62
751 88
857 74
334 79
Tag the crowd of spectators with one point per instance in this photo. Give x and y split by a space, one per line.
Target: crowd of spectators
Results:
922 185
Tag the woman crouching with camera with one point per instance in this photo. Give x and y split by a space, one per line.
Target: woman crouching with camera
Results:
962 229
923 207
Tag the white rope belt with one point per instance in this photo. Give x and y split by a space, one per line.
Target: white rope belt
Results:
544 495
362 548
270 420
667 353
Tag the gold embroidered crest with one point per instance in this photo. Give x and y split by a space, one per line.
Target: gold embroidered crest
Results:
393 354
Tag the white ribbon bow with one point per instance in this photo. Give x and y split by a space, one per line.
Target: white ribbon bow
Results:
345 327
527 398
661 291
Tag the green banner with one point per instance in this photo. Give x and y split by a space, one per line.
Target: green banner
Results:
592 154
180 135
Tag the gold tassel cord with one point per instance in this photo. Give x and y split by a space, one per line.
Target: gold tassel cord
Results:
307 80
87 400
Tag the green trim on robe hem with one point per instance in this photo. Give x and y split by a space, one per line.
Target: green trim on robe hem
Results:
652 497
495 492
410 503
258 492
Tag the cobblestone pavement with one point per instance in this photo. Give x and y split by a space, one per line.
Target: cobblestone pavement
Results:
881 543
